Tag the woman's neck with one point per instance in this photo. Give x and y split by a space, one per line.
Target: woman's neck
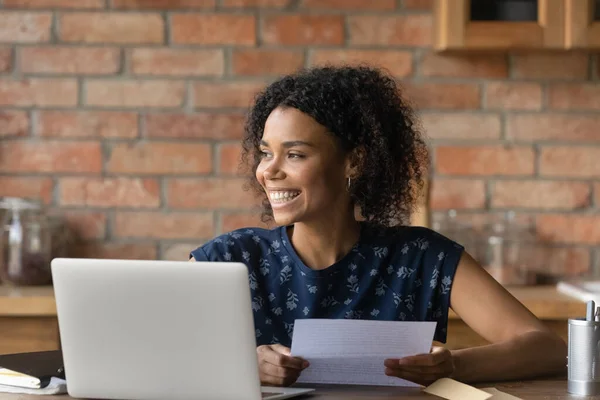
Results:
322 244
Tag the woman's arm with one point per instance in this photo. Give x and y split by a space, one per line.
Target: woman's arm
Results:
521 346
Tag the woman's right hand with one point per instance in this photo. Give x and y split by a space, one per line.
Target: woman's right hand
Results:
277 367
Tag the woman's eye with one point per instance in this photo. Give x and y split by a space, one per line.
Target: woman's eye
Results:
264 154
293 155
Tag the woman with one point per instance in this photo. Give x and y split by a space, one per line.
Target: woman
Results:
339 161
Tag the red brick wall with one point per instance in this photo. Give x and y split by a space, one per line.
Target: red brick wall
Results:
124 115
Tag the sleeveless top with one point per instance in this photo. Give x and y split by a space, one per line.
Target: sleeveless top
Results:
406 276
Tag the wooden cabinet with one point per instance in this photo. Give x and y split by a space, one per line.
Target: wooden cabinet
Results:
549 25
582 28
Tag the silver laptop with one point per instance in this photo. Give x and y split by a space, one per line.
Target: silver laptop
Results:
158 330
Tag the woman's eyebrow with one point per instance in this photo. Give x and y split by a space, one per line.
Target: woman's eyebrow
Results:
289 144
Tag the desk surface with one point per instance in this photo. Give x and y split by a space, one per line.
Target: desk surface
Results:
543 301
551 389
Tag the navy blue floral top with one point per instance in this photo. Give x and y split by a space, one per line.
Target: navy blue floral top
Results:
406 277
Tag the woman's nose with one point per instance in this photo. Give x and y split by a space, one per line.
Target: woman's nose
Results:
273 170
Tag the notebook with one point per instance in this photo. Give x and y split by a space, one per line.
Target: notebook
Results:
31 370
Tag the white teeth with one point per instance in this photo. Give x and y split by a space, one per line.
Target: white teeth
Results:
281 197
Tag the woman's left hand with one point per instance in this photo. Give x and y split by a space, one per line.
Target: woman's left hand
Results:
423 369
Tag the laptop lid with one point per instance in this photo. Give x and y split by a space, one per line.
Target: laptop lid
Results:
156 329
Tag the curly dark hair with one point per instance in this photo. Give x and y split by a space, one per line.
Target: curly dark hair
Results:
363 108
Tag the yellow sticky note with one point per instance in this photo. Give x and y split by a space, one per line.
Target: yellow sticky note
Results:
453 390
498 395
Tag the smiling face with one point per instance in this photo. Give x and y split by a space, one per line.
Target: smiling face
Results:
302 169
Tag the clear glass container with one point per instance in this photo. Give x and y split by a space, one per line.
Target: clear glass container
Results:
25 243
504 251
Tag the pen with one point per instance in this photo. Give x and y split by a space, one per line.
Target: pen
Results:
591 307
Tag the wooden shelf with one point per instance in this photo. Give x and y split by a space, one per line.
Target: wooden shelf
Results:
543 301
33 301
582 31
561 25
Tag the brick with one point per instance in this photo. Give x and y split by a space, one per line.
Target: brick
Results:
225 94
485 160
13 123
197 126
580 229
213 29
390 30
79 4
111 28
177 62
69 60
119 251
235 220
461 126
24 27
156 225
27 187
569 66
256 62
375 5
87 124
418 4
513 96
162 4
39 92
6 59
229 158
256 3
568 128
398 63
463 66
160 158
133 94
567 161
542 195
50 157
303 29
85 224
213 193
584 96
449 96
179 251
457 194
109 192
551 260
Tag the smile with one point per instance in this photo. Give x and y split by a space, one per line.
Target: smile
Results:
283 196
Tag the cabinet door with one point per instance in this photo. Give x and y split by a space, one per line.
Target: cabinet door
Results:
494 25
583 24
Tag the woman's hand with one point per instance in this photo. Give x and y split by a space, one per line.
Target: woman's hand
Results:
277 367
423 369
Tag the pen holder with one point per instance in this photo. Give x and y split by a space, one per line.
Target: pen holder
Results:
584 357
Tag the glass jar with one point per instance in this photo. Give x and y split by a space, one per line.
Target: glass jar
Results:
503 252
25 245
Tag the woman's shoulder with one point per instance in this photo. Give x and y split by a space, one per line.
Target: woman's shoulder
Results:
421 238
235 245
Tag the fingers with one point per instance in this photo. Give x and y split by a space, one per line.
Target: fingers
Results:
281 349
437 356
277 367
270 356
419 378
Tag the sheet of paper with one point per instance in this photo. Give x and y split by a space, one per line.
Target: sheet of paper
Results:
498 395
453 390
344 351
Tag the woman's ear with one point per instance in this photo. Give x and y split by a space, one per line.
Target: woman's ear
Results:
355 161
